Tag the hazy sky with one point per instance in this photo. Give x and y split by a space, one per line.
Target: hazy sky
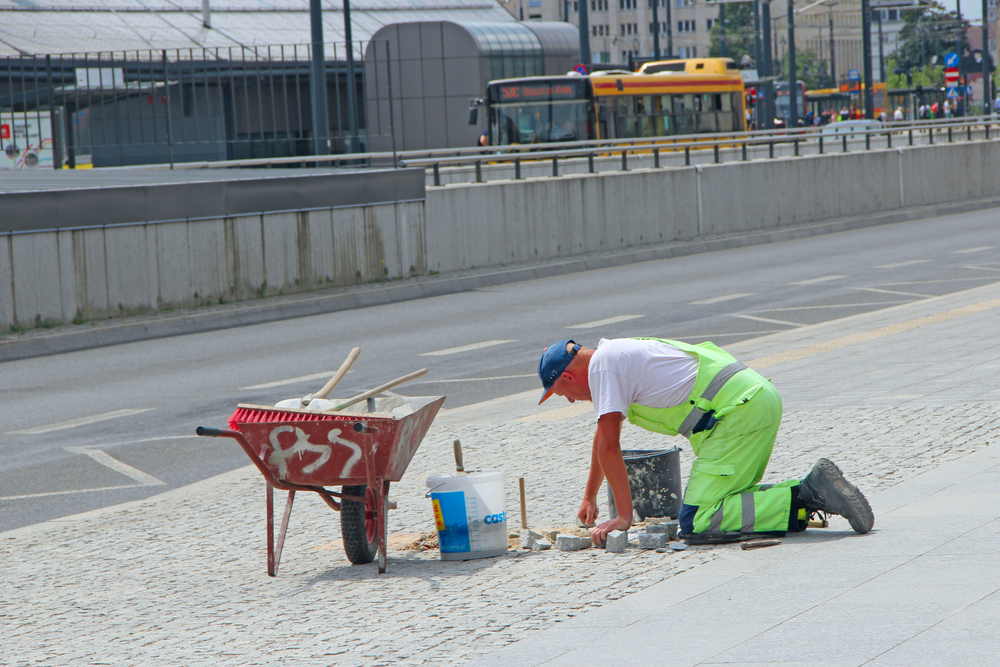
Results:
971 9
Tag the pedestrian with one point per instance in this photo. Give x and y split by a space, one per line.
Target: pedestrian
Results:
996 106
898 114
729 413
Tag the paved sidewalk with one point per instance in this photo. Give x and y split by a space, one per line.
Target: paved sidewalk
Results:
901 398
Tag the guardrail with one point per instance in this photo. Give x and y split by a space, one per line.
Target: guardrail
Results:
735 146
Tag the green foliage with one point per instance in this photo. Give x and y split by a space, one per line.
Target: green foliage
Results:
739 33
929 33
928 76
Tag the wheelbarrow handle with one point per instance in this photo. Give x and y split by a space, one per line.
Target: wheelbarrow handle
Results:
209 432
378 390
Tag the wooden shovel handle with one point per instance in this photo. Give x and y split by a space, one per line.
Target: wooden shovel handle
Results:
339 375
378 390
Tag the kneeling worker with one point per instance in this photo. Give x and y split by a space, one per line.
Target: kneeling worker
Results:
728 412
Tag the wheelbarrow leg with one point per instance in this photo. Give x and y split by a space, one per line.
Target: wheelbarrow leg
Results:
383 515
274 551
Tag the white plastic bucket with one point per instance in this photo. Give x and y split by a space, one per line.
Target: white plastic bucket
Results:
470 514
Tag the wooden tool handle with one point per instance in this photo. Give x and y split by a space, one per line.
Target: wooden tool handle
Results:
459 467
339 375
378 390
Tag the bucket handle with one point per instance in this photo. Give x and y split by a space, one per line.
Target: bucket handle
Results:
430 491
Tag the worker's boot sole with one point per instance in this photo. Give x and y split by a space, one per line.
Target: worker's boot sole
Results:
825 489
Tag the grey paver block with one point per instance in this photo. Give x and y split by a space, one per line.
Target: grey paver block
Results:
652 540
528 538
617 541
541 545
572 542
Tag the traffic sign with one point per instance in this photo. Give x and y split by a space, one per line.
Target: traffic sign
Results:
951 60
853 75
952 93
581 69
951 76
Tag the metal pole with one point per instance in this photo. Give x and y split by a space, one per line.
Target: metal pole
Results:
793 107
833 59
656 29
722 30
866 46
881 57
206 14
584 34
758 62
987 97
317 82
352 85
670 31
765 24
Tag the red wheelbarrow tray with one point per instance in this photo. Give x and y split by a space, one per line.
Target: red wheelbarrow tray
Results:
354 448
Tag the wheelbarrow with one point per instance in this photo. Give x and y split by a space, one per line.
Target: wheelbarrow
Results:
362 452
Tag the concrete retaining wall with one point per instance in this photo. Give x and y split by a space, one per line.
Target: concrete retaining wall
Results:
96 273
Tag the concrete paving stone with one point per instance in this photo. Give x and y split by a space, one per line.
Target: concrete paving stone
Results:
616 541
652 540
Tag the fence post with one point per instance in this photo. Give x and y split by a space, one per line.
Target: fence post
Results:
656 158
517 168
392 124
166 87
717 160
796 148
770 149
555 165
590 162
687 156
744 151
821 144
843 141
949 134
911 137
868 141
624 160
479 171
437 173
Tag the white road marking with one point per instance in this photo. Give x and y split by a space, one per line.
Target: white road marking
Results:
465 348
767 319
302 378
968 250
891 291
704 337
83 421
719 299
980 268
63 493
906 263
109 461
836 305
498 377
813 281
605 322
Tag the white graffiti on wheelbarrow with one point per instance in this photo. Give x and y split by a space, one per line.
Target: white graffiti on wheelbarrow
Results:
332 436
279 457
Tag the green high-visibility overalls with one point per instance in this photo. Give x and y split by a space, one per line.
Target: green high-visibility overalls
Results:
731 419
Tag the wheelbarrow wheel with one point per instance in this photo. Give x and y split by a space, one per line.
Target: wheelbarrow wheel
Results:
358 525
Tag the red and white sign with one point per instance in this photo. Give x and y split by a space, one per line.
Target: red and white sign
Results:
951 76
5 131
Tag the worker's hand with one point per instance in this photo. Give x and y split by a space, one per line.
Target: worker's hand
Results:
599 534
588 512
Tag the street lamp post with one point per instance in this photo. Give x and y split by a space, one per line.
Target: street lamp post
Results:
793 111
866 39
987 97
656 30
584 34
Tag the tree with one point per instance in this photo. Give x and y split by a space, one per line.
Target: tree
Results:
809 69
739 33
928 34
928 76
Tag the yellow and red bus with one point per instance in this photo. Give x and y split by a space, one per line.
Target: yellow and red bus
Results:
613 105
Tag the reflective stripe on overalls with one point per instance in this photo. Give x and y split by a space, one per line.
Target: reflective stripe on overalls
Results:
731 419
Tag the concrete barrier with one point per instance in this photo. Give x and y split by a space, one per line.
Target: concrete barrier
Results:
110 271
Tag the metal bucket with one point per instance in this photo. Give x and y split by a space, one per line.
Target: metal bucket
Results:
654 477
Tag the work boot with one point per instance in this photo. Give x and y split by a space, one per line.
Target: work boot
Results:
825 490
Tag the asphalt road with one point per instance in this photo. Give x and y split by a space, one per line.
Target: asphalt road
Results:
88 429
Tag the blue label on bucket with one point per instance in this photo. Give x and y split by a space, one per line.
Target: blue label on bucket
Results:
455 536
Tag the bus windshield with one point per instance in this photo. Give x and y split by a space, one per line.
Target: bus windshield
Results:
536 123
538 111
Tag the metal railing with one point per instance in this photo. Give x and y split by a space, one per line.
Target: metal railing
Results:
184 105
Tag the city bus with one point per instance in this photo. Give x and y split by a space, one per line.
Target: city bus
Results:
692 66
612 106
782 104
825 100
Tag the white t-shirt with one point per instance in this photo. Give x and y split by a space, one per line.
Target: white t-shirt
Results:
625 371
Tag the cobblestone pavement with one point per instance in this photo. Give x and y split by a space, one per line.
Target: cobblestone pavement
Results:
180 578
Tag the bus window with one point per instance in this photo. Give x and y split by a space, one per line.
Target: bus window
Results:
663 125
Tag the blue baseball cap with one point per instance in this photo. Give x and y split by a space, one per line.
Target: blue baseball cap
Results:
555 359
